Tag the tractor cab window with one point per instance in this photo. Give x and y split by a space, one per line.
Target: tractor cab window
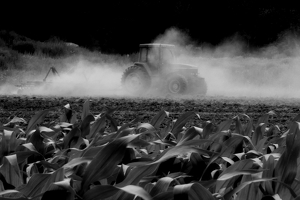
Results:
154 56
143 55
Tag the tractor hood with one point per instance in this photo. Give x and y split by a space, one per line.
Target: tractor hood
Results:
184 67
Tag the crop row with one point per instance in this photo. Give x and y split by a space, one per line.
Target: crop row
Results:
98 157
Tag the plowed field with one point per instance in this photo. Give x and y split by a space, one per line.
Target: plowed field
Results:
215 109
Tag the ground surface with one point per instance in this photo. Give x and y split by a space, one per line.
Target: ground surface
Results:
215 109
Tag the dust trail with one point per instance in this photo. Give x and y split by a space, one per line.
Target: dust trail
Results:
79 78
88 79
232 70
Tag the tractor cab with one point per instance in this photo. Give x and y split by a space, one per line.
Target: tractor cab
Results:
156 55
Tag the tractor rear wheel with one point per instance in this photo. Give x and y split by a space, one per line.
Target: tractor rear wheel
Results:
177 85
136 80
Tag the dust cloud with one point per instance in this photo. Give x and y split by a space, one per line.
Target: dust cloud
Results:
80 78
232 69
88 79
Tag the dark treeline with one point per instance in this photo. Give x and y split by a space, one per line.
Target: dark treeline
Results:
119 26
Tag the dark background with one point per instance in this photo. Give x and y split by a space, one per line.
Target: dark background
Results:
119 26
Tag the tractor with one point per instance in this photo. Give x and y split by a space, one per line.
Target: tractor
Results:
155 69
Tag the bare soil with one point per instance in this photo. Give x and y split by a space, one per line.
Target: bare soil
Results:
215 109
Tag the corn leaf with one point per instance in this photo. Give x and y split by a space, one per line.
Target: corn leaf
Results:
230 144
5 185
261 144
227 148
35 120
73 119
224 126
237 166
230 175
159 118
297 198
190 134
67 115
37 141
194 142
35 185
251 191
164 196
192 191
286 168
258 134
58 175
105 191
91 151
161 186
11 194
179 150
48 132
10 170
104 162
85 109
18 198
166 130
181 121
241 186
268 165
73 153
85 125
136 174
61 190
15 120
4 146
120 133
23 155
75 162
113 125
97 126
296 186
265 118
145 128
30 147
110 111
288 160
249 128
238 126
13 141
39 183
73 134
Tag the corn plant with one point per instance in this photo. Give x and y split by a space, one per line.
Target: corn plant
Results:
95 157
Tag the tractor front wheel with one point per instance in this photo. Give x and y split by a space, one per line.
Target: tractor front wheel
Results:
177 85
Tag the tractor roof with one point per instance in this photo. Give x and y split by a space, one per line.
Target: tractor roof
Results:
156 45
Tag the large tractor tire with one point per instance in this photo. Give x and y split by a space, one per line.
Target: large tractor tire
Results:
136 80
177 84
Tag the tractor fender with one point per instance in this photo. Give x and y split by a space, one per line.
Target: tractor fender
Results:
145 66
175 74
